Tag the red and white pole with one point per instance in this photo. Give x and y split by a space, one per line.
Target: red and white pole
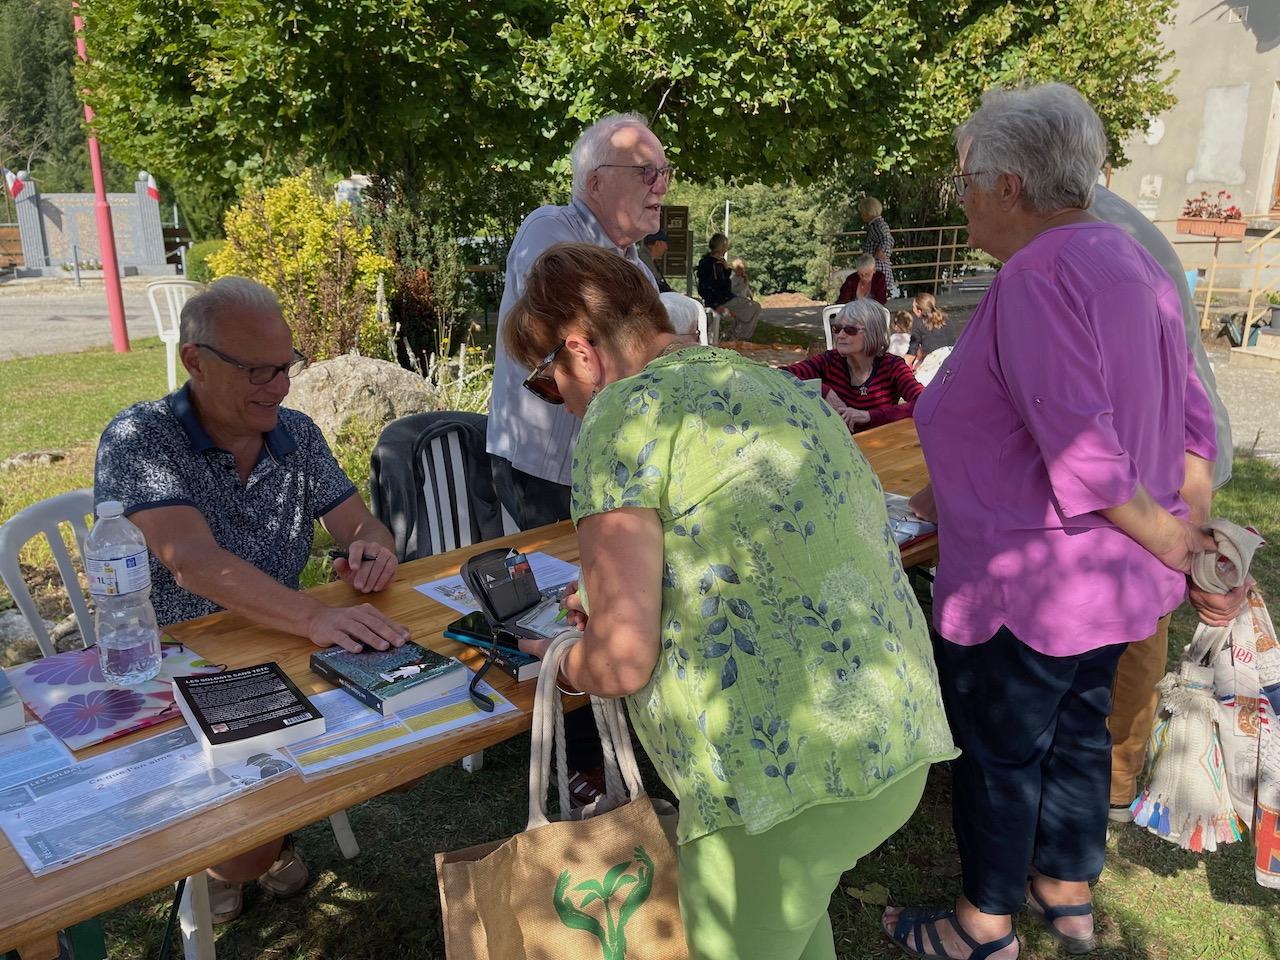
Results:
102 211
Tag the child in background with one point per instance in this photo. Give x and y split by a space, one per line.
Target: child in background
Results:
900 333
930 331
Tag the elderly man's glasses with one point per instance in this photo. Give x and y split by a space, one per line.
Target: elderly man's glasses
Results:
852 329
960 181
541 384
648 174
262 374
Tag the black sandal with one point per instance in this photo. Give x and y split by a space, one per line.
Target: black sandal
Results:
1050 915
917 923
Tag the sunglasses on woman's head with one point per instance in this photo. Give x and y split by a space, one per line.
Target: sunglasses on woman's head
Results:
852 329
541 384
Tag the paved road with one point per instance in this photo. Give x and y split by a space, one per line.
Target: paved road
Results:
54 317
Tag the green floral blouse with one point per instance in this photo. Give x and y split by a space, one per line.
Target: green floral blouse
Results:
796 667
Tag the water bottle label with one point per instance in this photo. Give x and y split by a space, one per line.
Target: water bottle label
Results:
113 578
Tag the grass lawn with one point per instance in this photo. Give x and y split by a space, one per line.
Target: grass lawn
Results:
1155 902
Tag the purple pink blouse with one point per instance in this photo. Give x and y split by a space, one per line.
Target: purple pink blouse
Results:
1071 385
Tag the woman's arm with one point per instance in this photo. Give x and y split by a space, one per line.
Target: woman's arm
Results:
622 557
906 387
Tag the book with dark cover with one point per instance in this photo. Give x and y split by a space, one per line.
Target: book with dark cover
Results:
11 714
514 663
389 680
238 713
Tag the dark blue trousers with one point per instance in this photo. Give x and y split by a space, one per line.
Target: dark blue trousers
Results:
1032 783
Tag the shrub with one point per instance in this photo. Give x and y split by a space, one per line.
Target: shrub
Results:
317 258
198 259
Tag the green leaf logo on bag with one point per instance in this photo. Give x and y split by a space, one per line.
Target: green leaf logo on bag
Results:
613 940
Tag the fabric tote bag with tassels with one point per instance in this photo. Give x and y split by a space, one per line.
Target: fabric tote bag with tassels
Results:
599 882
1215 748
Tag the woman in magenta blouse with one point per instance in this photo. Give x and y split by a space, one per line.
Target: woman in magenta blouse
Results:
1059 456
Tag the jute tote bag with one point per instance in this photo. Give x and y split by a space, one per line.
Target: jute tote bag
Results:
599 883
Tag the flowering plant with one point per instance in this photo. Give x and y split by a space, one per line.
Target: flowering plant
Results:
1206 207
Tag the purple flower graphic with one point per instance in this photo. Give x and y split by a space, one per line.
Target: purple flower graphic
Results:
85 713
72 667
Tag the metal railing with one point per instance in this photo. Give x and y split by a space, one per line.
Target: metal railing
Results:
945 261
1260 262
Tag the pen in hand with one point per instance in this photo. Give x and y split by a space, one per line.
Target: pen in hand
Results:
346 555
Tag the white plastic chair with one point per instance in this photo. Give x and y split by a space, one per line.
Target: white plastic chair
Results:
167 298
829 313
709 327
46 517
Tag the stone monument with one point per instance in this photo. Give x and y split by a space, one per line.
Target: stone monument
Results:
58 229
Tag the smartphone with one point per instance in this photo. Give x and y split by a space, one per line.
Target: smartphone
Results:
474 627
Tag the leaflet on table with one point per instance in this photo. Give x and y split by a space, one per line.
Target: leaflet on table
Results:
355 733
551 573
28 753
89 807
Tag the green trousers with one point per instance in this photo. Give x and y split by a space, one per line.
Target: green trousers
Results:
765 897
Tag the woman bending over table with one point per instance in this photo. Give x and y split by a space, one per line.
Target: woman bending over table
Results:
741 588
861 380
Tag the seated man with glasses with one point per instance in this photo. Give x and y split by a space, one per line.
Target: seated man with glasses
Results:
226 486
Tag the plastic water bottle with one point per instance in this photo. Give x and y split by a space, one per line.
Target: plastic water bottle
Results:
120 582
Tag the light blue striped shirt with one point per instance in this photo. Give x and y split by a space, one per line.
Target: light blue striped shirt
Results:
535 436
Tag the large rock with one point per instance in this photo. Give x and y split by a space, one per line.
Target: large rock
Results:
348 387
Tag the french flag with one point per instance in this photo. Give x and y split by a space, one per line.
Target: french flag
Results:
153 191
13 183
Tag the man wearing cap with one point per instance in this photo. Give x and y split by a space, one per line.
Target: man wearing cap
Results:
652 250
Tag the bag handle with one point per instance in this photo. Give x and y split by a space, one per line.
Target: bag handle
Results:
622 774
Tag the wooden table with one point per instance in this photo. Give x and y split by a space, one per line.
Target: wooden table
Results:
35 908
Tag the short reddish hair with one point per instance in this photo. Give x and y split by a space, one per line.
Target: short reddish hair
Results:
579 287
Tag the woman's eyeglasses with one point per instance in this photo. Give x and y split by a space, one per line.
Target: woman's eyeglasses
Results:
262 375
648 174
960 181
852 329
541 384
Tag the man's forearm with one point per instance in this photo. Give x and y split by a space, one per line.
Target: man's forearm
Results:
1144 520
242 588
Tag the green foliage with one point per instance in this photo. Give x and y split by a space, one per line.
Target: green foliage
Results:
198 255
777 231
41 118
319 261
488 97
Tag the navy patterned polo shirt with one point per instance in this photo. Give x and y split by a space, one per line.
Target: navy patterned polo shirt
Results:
156 454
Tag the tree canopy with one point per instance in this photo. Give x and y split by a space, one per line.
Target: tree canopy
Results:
451 91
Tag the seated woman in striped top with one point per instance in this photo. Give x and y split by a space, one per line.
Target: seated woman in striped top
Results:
861 380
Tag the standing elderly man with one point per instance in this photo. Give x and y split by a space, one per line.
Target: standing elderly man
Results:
620 175
226 486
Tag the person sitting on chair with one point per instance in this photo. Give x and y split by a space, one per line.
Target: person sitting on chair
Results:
226 486
861 380
865 281
715 287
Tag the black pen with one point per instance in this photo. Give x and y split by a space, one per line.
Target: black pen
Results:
345 555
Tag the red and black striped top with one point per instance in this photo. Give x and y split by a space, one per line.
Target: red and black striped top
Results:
891 380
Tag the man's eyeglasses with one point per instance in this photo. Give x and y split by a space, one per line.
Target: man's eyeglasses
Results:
960 181
263 374
648 174
541 384
852 329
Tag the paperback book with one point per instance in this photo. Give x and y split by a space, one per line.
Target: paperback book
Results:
239 713
390 680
